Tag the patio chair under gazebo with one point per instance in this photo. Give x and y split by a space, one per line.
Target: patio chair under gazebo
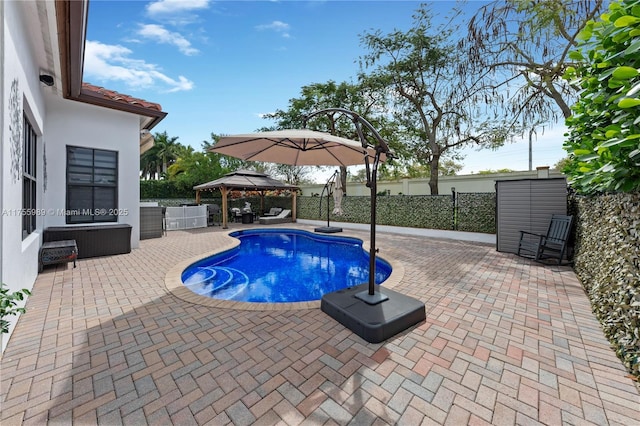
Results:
246 180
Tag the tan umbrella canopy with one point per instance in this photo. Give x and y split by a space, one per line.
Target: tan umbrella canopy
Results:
244 180
296 147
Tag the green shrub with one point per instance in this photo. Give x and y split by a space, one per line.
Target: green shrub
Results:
604 130
8 303
150 189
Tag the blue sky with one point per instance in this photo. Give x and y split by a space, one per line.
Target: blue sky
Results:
218 66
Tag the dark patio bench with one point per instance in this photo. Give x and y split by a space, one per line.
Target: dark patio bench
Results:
93 240
55 252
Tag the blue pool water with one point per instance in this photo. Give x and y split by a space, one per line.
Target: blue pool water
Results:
283 265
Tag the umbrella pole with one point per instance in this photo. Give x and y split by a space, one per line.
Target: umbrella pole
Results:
328 187
372 248
328 199
368 317
225 209
371 297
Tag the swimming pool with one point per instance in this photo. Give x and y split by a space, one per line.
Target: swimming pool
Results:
282 265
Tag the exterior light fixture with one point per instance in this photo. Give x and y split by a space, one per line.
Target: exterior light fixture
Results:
46 79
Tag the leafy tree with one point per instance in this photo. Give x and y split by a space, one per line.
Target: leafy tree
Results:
359 176
431 105
414 170
449 167
226 162
604 132
490 171
193 168
518 52
360 99
561 164
386 174
293 175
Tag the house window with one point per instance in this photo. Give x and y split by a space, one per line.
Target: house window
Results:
92 185
29 185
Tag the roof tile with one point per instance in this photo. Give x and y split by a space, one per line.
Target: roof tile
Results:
119 97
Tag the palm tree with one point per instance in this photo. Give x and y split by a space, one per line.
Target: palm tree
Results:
155 162
167 151
148 164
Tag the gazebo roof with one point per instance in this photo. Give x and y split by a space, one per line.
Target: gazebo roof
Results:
246 180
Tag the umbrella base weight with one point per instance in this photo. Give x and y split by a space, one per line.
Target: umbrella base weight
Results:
328 229
372 299
374 323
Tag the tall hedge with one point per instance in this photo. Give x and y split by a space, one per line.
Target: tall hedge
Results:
607 261
151 189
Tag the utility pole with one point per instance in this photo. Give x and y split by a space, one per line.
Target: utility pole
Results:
531 132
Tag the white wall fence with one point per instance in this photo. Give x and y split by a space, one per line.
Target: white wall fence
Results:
462 183
187 217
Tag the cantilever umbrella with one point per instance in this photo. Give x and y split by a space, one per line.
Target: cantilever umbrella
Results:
368 316
296 147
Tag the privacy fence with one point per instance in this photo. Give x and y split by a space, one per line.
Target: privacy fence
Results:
607 261
471 212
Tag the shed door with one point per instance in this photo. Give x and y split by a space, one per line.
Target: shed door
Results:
526 205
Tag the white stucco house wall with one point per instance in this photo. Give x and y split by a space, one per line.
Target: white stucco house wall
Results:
47 113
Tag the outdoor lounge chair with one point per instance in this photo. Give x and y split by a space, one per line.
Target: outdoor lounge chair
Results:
552 245
274 211
282 217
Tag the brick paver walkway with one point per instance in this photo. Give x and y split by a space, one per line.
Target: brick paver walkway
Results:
506 342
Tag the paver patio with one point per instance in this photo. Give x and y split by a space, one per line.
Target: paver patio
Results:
506 341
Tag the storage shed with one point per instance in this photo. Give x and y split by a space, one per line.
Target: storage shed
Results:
526 205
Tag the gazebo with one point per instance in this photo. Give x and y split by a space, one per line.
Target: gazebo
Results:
245 180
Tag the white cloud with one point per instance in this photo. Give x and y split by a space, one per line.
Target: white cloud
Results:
277 26
176 12
105 62
167 7
161 35
183 84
